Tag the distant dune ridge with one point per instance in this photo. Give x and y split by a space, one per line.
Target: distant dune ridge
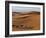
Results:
27 12
26 21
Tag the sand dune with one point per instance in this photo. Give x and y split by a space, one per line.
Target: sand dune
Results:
27 21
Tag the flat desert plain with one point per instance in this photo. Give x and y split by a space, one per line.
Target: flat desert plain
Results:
25 22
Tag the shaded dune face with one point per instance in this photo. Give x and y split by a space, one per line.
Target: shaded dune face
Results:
29 21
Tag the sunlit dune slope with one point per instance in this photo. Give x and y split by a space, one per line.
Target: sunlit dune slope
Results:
26 21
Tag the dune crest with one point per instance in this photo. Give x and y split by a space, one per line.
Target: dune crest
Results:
26 21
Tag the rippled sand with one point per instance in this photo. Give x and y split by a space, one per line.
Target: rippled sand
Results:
23 22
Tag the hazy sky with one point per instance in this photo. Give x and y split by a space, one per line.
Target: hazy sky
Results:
24 9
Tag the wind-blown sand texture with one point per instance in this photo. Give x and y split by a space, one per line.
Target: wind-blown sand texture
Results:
26 21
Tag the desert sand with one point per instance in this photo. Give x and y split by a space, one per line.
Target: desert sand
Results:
27 21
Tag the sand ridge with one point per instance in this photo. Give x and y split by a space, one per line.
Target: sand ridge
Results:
28 21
